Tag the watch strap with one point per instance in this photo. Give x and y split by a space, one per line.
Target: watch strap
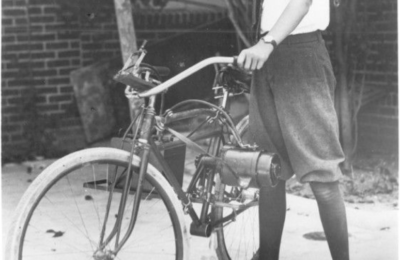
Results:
270 40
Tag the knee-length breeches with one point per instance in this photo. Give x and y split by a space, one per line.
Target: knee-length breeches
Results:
292 109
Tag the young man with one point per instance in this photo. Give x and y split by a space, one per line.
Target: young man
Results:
292 113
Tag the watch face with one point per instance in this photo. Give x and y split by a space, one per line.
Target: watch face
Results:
268 38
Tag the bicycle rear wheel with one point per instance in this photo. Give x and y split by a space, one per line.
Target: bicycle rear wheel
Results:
239 239
62 213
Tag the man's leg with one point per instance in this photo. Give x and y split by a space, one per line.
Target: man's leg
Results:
272 212
333 216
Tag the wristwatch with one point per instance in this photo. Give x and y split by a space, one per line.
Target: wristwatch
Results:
270 40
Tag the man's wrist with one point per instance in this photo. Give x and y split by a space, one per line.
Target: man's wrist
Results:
269 39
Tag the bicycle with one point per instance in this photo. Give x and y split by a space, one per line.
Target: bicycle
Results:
108 203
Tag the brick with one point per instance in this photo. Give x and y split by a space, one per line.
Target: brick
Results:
112 45
56 45
20 3
4 102
38 55
101 37
46 90
75 45
22 47
7 39
68 54
6 21
68 35
67 89
86 38
13 12
66 71
11 74
10 92
15 29
35 10
58 63
389 111
9 56
75 62
59 98
47 107
11 110
17 118
386 26
10 128
42 19
58 81
37 37
7 3
40 99
17 138
55 27
21 21
98 55
42 2
15 100
4 84
4 120
51 9
18 65
26 82
92 46
23 67
38 28
44 73
87 62
5 138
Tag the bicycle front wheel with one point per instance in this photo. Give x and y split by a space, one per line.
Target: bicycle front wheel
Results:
238 239
62 214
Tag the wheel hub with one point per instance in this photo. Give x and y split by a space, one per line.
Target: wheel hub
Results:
103 255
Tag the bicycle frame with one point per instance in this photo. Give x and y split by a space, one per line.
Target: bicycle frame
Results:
201 226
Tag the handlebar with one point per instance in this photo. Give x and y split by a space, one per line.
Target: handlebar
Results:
186 73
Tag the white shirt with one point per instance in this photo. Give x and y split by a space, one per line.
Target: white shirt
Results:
317 17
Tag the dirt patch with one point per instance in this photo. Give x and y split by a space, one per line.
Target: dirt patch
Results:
374 181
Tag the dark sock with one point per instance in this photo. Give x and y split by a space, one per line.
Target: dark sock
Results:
333 217
272 212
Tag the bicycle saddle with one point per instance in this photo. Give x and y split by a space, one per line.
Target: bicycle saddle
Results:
142 78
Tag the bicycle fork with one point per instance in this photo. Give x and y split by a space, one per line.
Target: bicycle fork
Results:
146 123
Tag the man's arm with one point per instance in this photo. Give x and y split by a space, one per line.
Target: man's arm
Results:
254 57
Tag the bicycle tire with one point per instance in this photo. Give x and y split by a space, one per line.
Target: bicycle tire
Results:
239 240
34 216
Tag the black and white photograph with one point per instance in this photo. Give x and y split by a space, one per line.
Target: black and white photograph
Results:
199 130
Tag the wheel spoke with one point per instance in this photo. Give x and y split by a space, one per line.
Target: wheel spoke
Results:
80 214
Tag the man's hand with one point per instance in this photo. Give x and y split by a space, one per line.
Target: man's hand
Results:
254 57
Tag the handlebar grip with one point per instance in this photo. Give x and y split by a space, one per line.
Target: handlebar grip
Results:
235 61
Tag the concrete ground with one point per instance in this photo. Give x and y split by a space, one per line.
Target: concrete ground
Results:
373 229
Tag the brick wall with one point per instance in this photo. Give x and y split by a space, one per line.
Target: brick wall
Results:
378 45
37 58
42 42
378 126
